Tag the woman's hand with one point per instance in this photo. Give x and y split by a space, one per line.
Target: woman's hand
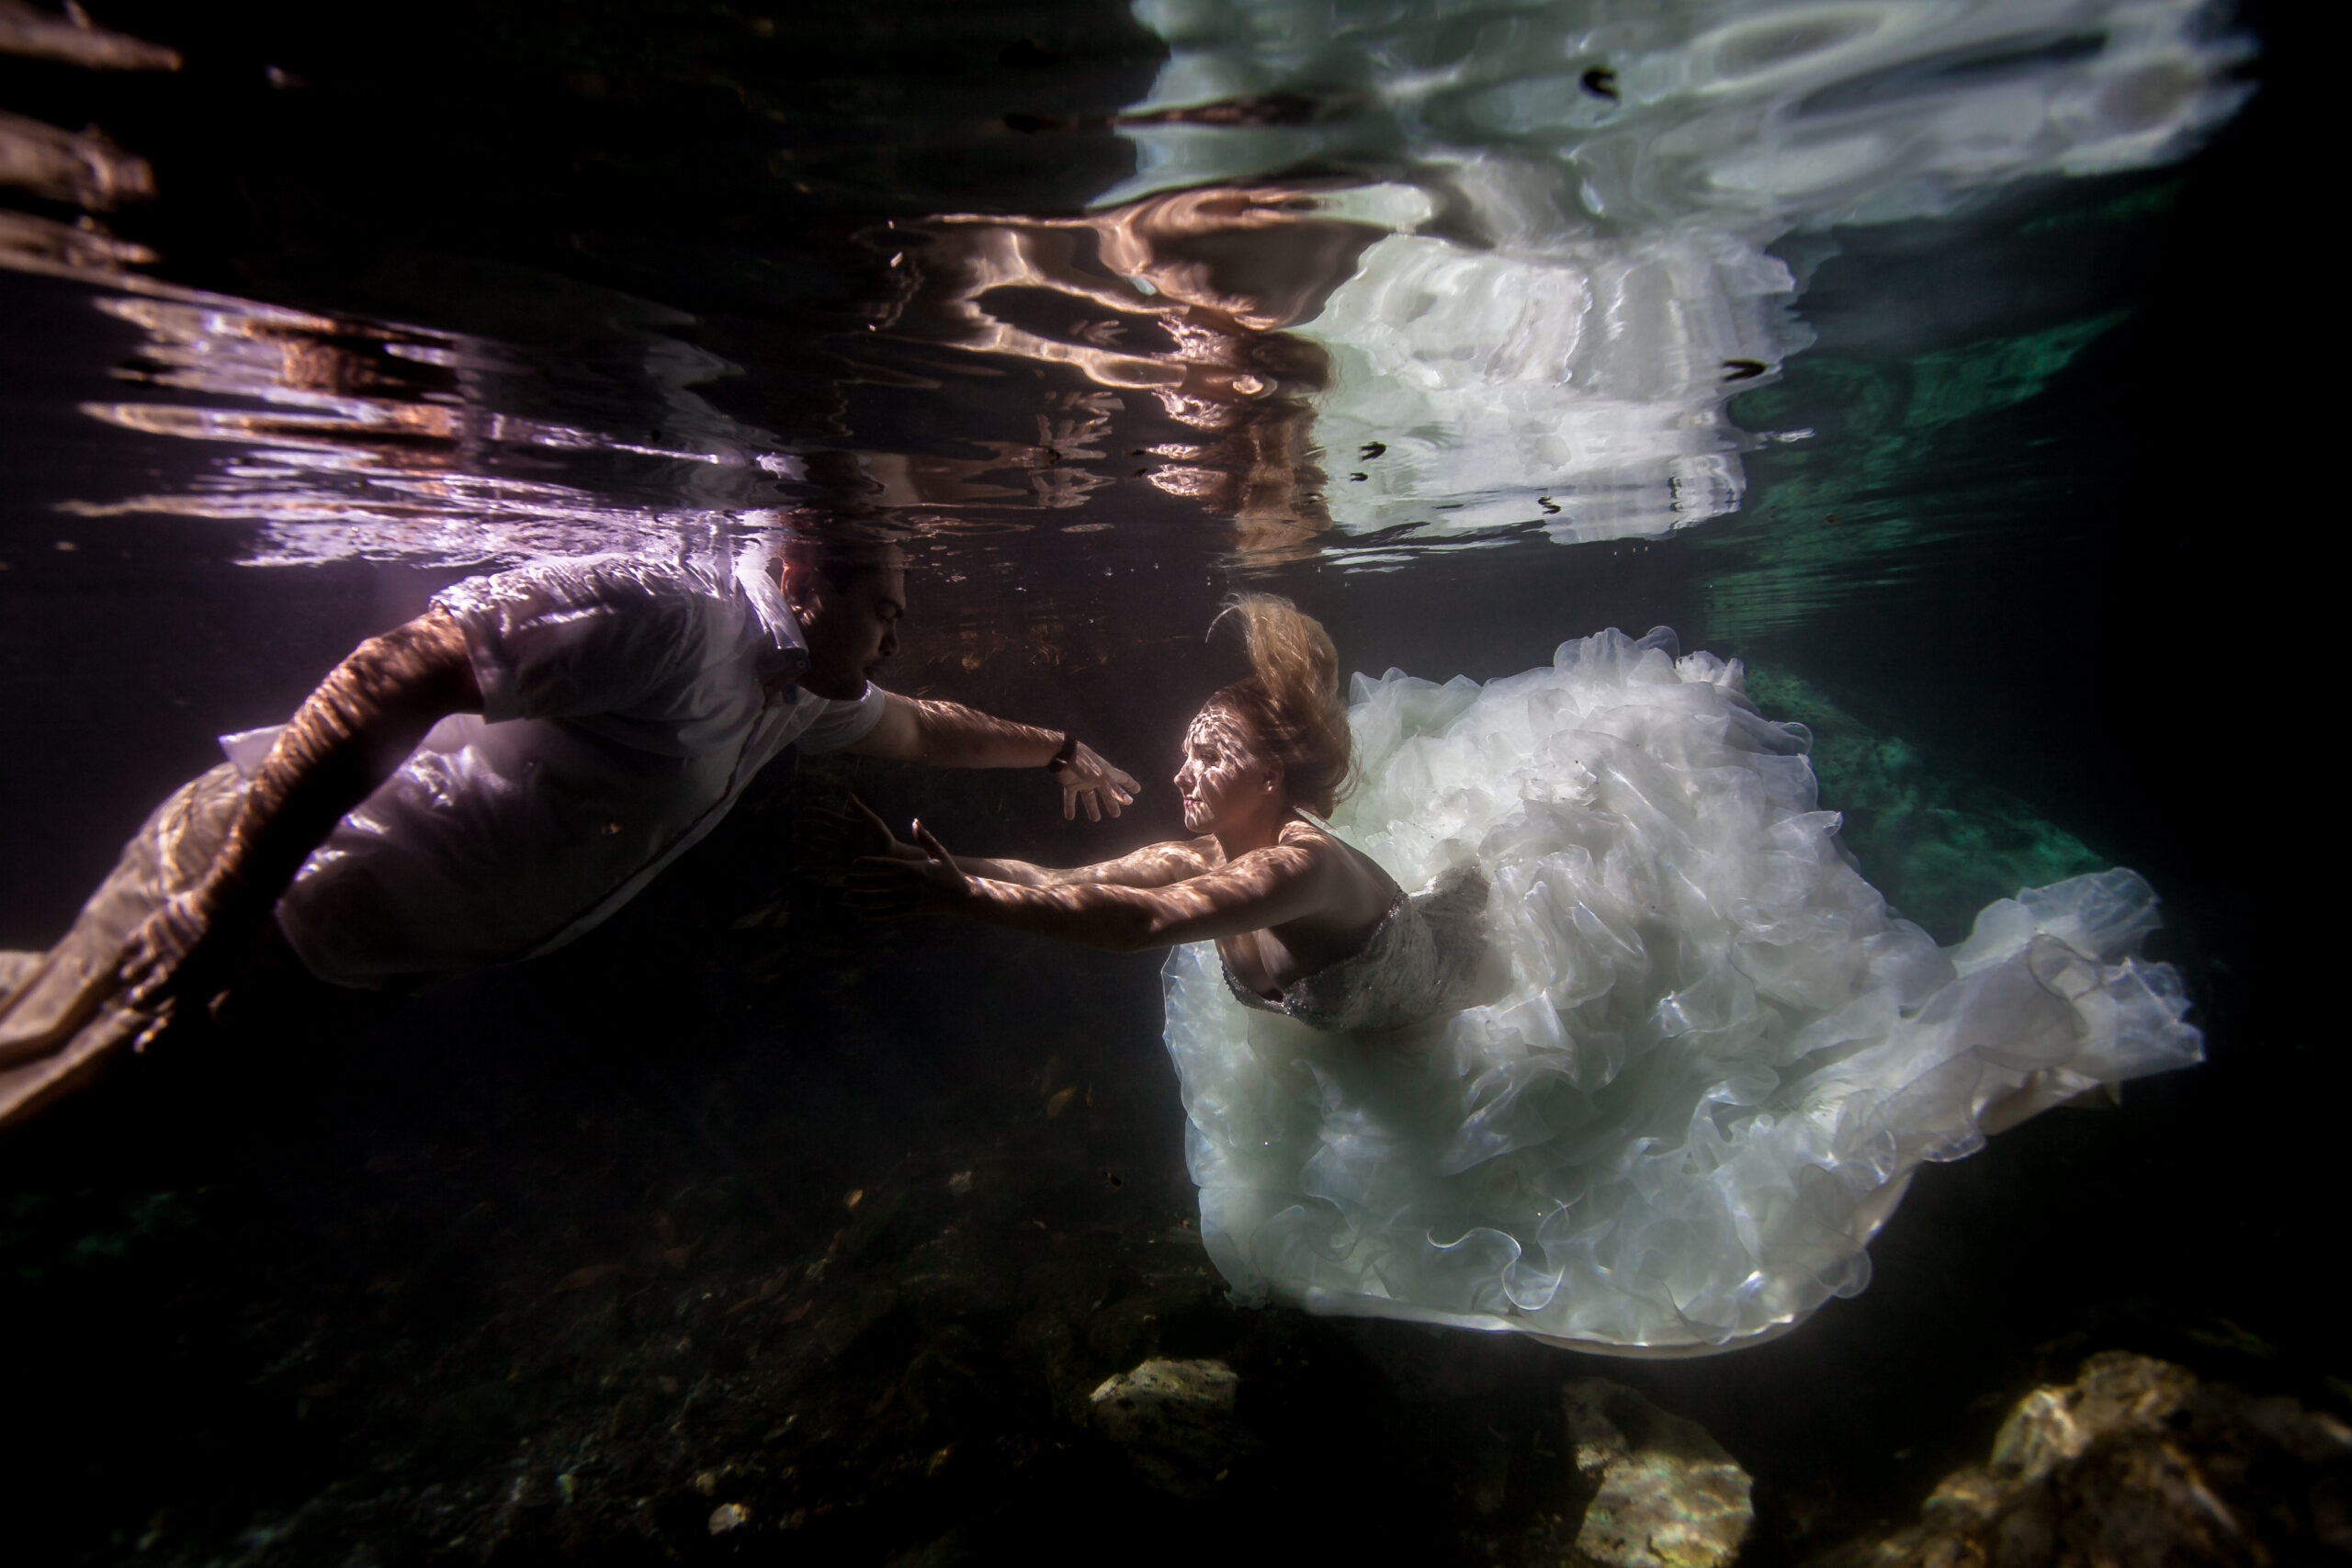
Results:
886 885
1101 784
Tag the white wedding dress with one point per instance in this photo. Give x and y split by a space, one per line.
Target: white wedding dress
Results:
1648 1063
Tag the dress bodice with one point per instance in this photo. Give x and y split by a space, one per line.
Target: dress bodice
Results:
1417 962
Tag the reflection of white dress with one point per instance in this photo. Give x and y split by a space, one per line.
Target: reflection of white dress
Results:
1702 1058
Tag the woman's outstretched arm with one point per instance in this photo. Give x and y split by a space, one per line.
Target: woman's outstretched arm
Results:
1154 865
1264 888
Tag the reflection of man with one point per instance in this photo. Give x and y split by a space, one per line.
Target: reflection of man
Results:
1185 297
493 779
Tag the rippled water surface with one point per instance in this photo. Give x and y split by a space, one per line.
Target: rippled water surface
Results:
1928 356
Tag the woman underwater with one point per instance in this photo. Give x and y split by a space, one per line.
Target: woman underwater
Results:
1645 1065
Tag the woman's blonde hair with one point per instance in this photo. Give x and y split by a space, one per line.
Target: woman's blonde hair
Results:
1291 699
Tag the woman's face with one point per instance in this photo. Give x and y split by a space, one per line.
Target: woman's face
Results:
1225 775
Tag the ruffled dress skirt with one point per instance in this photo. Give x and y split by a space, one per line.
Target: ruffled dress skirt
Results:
1704 1058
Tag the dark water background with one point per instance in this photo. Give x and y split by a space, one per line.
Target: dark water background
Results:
297 1293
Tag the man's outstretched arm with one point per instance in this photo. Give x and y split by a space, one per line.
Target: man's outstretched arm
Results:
949 734
348 735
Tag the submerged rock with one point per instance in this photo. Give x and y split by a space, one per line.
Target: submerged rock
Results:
2137 1460
1667 1495
1174 1419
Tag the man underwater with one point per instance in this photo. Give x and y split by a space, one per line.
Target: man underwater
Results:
494 779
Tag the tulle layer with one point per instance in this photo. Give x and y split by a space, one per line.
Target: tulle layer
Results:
1716 1060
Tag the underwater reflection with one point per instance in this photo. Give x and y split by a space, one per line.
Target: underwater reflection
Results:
81 169
1382 282
74 39
360 439
1540 251
1599 218
1183 299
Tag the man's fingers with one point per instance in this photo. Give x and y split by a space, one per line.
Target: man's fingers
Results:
153 990
154 1030
153 959
1093 807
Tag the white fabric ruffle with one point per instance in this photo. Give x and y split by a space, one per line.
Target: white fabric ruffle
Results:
1714 1056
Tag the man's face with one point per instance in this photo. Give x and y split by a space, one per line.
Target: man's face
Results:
851 629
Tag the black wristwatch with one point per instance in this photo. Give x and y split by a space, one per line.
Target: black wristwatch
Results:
1064 757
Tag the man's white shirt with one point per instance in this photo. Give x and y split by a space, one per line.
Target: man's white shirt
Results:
626 705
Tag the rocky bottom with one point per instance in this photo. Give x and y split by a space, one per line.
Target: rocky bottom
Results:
1019 1349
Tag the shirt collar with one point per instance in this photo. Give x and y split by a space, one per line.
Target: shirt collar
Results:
784 653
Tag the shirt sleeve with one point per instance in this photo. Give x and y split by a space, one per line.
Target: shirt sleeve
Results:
566 639
846 723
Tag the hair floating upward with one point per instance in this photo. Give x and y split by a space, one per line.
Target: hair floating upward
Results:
1291 699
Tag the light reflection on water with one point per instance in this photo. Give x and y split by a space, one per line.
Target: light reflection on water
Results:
1538 254
384 442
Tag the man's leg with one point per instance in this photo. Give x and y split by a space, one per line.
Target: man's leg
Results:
62 1015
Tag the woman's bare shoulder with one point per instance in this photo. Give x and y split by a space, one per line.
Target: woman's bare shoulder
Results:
1317 841
1341 857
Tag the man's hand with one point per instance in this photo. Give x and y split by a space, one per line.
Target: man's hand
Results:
345 739
182 958
886 885
949 734
1101 784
